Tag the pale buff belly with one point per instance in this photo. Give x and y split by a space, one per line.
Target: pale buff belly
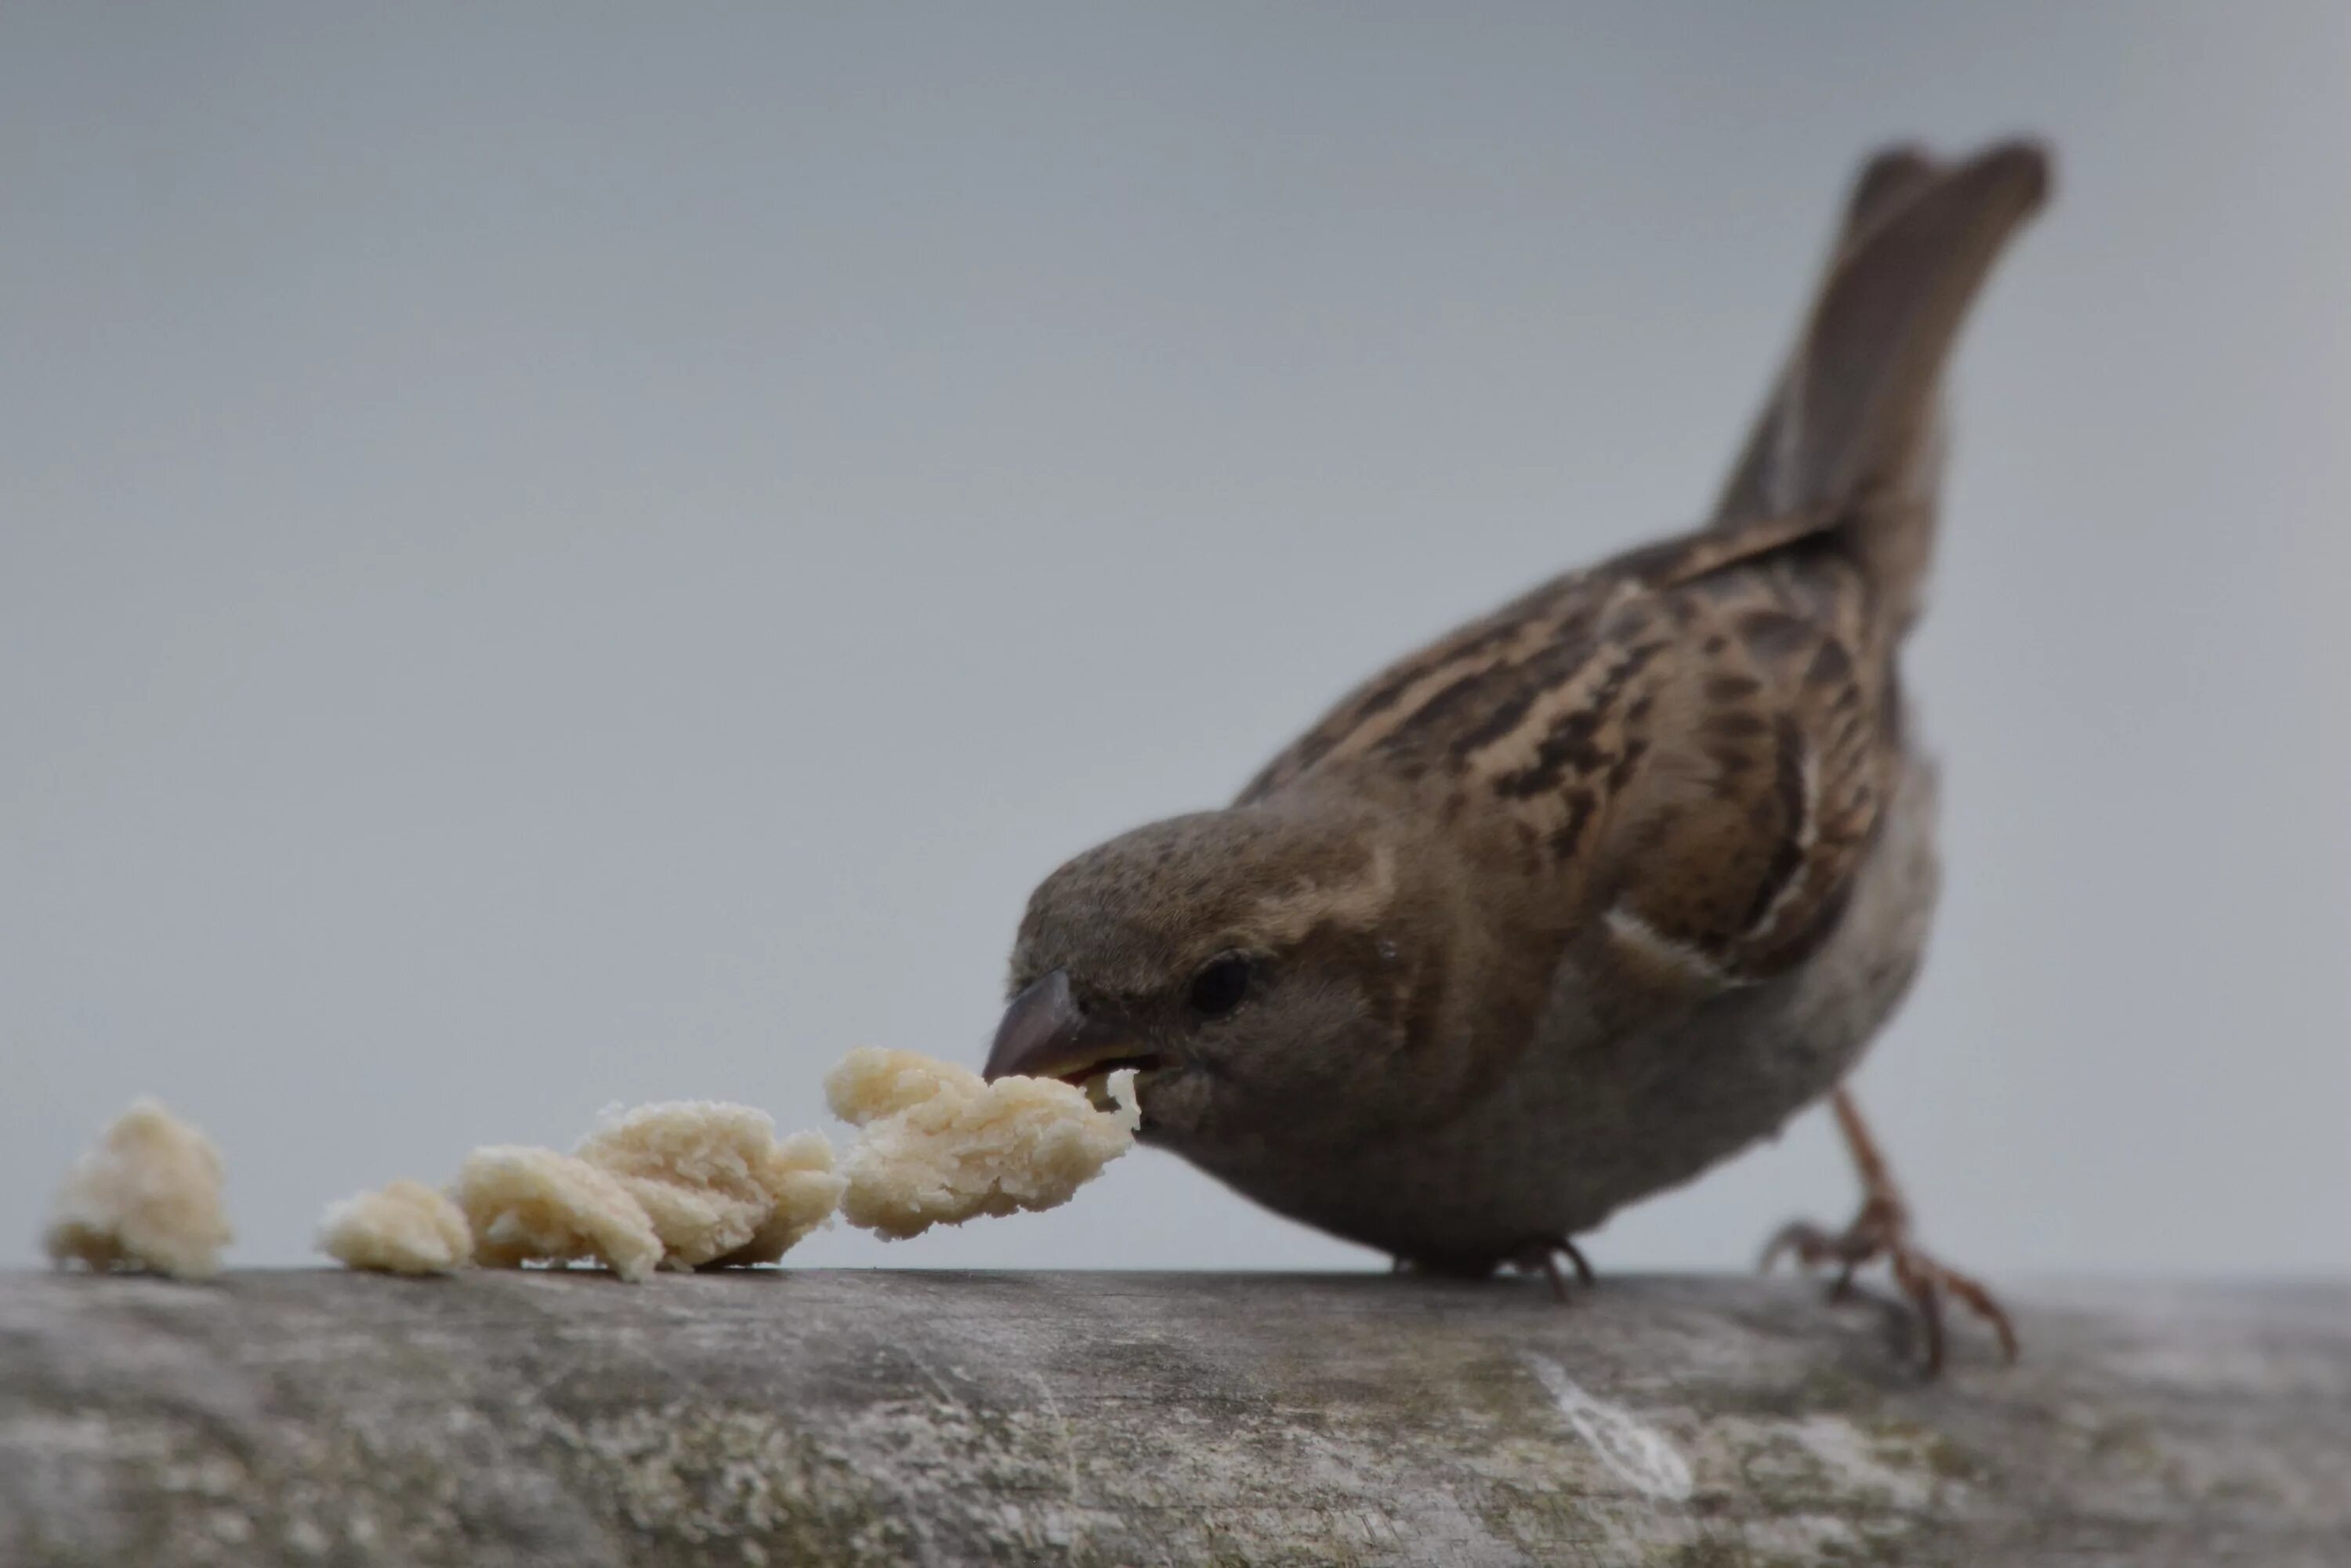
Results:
1583 1128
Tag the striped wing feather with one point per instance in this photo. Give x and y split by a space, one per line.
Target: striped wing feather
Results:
1689 741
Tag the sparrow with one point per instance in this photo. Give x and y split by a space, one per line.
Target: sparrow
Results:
1600 889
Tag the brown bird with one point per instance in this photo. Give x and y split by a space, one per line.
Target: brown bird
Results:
1598 890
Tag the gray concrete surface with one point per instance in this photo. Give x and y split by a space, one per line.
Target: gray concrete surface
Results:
931 1417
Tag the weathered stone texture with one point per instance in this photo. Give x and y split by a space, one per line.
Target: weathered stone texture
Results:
885 1417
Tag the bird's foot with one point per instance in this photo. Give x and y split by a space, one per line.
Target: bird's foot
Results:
1541 1256
1924 1282
1882 1230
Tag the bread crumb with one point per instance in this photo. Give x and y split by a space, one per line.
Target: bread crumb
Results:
535 1206
406 1228
938 1146
720 1190
147 1198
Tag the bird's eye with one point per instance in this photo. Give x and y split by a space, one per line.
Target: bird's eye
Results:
1222 985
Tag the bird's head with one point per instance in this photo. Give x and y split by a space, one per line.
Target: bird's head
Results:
1259 966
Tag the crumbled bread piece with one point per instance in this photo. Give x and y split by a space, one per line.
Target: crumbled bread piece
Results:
147 1198
404 1228
716 1185
938 1146
535 1206
807 1191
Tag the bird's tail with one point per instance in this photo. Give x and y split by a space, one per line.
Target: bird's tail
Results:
1850 430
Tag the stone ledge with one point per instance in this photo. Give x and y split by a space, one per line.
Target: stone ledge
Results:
815 1417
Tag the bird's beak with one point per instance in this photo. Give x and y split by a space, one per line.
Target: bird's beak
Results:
1045 1034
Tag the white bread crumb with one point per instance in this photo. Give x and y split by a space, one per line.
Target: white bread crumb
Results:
147 1198
717 1186
937 1145
535 1206
405 1227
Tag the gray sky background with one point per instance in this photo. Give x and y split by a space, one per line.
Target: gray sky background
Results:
551 556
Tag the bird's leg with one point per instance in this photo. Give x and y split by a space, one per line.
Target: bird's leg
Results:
1541 1256
1882 1228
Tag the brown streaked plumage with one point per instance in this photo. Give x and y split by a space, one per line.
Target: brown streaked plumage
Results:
1599 888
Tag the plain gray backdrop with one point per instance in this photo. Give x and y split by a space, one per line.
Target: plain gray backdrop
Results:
555 555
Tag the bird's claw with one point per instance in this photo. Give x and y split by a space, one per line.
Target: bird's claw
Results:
1924 1281
1882 1230
1541 1256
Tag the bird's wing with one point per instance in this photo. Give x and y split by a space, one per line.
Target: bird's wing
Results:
1766 739
1689 744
